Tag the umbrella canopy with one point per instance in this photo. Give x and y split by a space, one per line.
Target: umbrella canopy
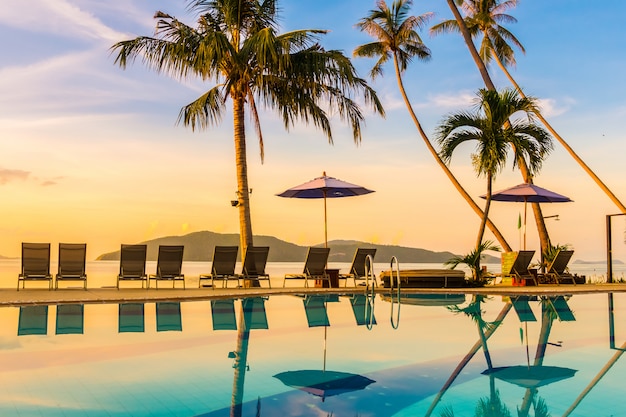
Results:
325 187
531 376
528 193
324 383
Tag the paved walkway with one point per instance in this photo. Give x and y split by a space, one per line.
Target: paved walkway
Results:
11 297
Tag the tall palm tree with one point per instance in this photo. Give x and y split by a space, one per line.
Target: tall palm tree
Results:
397 40
482 68
485 17
235 45
495 133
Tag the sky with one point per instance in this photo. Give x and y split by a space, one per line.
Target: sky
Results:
93 153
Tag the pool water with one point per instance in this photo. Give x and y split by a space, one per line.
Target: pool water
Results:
224 358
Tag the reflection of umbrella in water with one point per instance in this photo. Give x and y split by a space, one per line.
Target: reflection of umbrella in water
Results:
324 383
528 193
530 376
325 187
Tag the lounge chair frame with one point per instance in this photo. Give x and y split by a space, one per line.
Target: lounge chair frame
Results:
253 266
222 266
519 268
314 267
358 267
35 264
557 268
72 259
169 265
133 264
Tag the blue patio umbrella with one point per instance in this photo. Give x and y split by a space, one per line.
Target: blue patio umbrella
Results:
531 376
527 193
325 187
324 383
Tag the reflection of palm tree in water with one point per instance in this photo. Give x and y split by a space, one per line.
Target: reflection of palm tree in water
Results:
240 366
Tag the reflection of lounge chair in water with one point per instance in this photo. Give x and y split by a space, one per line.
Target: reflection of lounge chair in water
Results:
223 314
315 309
558 267
70 318
35 264
314 267
362 309
131 318
33 320
254 313
168 317
357 269
560 307
522 308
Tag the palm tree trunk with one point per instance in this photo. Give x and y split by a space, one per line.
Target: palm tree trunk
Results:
240 366
482 68
568 148
243 196
492 227
467 358
481 230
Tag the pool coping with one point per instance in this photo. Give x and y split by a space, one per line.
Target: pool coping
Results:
12 297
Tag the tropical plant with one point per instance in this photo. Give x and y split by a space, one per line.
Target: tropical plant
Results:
482 68
235 45
472 261
398 41
485 17
495 135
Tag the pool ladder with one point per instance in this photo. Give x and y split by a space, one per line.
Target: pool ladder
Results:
370 292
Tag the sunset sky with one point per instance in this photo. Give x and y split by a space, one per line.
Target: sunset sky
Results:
92 153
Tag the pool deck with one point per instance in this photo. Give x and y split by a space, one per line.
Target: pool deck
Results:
12 297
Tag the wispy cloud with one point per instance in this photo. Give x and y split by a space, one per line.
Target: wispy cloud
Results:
58 17
550 108
460 100
10 175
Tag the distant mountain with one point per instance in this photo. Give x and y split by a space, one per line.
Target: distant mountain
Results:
580 261
199 247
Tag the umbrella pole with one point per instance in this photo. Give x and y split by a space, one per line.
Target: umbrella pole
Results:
525 212
325 223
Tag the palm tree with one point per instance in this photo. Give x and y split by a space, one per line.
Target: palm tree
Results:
496 134
398 41
486 17
482 68
236 46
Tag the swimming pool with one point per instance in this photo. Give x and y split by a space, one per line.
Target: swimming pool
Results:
187 359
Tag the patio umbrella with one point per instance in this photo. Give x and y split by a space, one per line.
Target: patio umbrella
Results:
528 193
324 383
325 187
531 376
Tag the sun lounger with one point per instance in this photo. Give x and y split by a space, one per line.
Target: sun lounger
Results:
33 320
254 315
35 264
518 268
70 318
315 309
131 318
222 267
314 267
557 269
168 317
357 269
133 264
253 268
169 265
522 308
223 314
72 258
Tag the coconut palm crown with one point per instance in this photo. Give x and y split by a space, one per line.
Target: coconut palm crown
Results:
497 133
236 47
